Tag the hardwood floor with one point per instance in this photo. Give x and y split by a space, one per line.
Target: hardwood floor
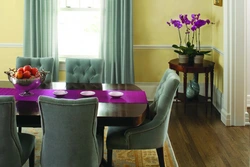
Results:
199 139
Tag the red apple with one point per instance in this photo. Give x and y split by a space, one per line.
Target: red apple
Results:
34 71
19 74
20 69
26 74
27 68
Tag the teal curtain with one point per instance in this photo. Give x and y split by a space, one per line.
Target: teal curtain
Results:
117 41
40 31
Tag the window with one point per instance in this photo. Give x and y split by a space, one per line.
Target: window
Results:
79 28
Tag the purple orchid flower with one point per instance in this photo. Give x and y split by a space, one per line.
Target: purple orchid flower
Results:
193 16
176 23
198 16
193 28
181 18
200 23
184 19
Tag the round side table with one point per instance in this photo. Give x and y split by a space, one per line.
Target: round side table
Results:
206 67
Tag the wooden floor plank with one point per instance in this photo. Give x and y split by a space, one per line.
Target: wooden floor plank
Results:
201 139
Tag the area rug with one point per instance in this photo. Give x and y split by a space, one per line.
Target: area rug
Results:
121 158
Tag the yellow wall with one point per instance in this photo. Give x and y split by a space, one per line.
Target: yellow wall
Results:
150 19
11 17
217 42
150 28
11 31
8 60
62 76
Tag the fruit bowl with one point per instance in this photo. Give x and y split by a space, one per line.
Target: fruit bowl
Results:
26 84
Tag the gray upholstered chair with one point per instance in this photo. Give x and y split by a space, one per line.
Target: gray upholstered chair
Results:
84 70
154 131
45 63
69 132
15 148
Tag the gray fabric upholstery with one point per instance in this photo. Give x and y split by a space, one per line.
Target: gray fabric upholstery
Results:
151 134
15 149
69 132
45 63
84 70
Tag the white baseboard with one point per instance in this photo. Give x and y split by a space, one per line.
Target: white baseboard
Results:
248 100
217 99
247 118
225 117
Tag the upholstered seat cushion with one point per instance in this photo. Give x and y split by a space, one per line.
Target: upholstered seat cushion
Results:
28 143
116 138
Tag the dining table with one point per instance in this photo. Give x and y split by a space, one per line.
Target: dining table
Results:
112 112
128 110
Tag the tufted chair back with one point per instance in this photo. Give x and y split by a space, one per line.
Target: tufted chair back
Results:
163 99
15 148
45 63
69 132
84 70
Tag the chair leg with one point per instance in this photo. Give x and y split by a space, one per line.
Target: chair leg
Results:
32 158
160 154
109 157
20 129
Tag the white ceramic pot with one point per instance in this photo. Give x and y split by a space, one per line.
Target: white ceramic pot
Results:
183 59
198 59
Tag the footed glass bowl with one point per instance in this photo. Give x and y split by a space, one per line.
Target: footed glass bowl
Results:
25 85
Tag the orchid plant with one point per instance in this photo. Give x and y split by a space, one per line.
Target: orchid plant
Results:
192 34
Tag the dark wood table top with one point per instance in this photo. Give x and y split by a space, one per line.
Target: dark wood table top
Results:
109 114
205 67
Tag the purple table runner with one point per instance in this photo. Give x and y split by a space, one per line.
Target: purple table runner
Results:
102 95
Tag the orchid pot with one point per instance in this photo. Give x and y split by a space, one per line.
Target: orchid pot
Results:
183 59
198 59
